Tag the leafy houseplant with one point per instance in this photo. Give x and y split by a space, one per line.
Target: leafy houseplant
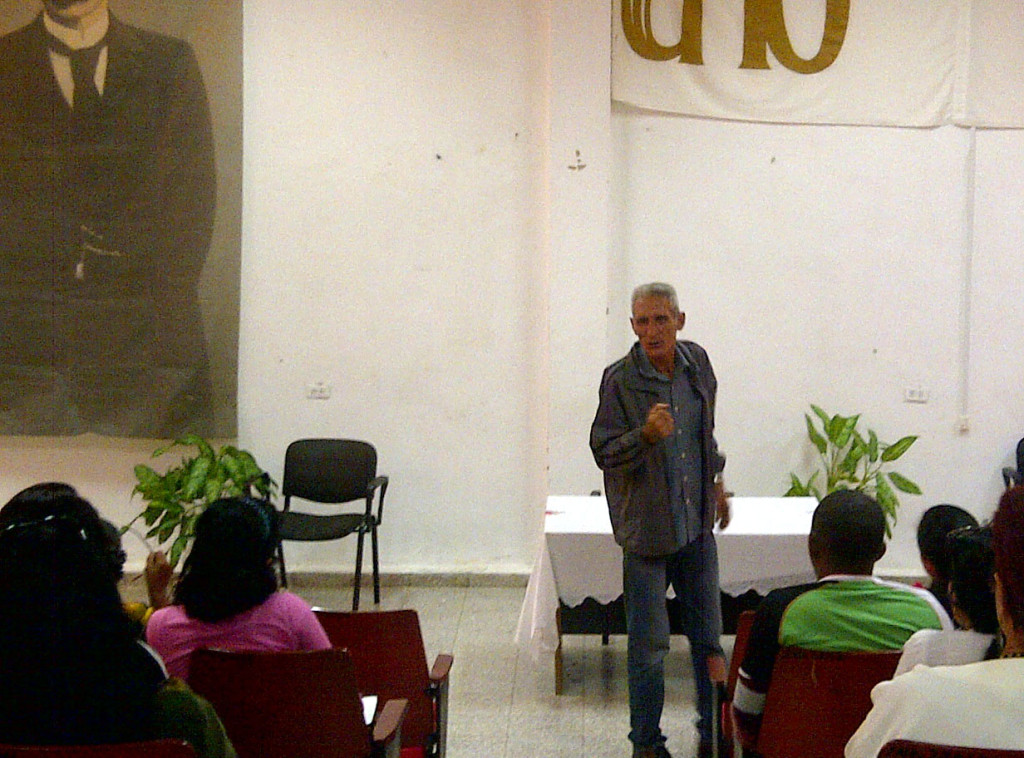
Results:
175 498
850 461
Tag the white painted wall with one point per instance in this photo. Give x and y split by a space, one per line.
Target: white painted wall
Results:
413 234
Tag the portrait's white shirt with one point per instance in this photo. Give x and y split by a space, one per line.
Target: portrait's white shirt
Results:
77 39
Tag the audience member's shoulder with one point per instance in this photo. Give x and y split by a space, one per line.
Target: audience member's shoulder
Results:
287 601
783 596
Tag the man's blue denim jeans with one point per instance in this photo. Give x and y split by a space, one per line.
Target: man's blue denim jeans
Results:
693 574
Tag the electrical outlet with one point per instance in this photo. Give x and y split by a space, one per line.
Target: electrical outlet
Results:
915 394
318 391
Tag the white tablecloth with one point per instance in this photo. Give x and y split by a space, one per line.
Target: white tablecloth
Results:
764 547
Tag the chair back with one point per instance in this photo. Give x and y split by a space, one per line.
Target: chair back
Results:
816 700
328 470
284 704
148 749
390 661
912 749
744 622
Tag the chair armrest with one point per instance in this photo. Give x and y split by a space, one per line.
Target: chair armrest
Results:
439 671
387 728
379 481
438 690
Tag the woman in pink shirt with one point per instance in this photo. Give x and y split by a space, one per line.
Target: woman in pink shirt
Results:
227 596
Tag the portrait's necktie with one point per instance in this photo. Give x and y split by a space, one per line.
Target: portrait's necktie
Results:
85 97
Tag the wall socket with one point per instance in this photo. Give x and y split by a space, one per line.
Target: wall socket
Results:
318 391
915 394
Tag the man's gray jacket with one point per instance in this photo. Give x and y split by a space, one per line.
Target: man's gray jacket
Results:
635 471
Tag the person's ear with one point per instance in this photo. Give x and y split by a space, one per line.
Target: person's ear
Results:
929 567
680 321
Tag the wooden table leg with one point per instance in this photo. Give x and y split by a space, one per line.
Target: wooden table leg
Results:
558 653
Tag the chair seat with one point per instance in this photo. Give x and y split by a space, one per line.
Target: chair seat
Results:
311 527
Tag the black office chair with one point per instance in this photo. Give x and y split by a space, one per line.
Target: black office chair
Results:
333 471
1012 477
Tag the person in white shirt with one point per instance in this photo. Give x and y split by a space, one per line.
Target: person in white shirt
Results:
974 705
973 604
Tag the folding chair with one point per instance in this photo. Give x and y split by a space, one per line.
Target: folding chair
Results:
816 700
389 657
333 472
294 704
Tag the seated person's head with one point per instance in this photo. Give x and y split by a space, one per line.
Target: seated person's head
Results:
971 582
1008 545
230 568
66 645
847 534
935 524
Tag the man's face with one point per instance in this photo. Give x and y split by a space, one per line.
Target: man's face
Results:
655 323
67 11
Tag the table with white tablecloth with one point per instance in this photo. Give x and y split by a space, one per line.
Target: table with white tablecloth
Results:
764 547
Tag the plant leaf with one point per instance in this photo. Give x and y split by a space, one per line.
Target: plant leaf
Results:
903 484
835 427
846 431
796 487
196 479
898 448
825 418
194 440
872 445
886 498
177 548
848 466
816 439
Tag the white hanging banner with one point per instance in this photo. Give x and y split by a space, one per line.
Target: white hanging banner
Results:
873 62
995 84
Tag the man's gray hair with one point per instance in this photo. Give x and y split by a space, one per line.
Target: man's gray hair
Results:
656 289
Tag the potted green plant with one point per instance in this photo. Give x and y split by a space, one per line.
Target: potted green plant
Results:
175 498
851 461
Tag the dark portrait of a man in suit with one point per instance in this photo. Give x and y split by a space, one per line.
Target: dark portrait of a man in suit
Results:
107 199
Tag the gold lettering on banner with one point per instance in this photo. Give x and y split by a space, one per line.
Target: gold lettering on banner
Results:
636 25
764 26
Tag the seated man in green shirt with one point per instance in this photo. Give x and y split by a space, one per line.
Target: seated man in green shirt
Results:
847 609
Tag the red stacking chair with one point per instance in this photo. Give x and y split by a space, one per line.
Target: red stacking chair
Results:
390 661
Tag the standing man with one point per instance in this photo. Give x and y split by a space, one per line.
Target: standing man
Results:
653 437
107 197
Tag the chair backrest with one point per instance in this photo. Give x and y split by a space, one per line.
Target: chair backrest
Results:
150 749
816 700
328 470
912 749
284 704
744 622
390 661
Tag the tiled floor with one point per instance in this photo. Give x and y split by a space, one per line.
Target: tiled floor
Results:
503 704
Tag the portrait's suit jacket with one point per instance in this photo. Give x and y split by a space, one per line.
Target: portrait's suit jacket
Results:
104 230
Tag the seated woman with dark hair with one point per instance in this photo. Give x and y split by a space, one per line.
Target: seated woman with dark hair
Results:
932 531
972 597
72 670
227 596
976 704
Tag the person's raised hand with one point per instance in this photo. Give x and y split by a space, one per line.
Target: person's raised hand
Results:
659 424
158 578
